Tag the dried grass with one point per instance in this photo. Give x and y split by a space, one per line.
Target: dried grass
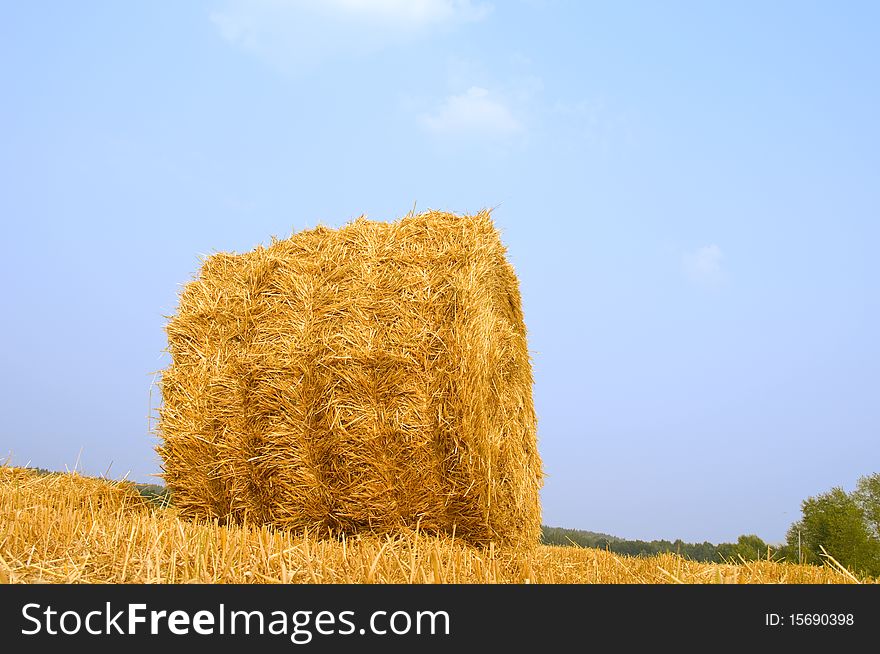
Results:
361 380
72 529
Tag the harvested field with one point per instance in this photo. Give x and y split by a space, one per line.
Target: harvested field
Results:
65 528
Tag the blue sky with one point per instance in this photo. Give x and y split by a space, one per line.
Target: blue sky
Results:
688 192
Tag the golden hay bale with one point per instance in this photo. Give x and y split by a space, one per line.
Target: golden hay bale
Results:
373 377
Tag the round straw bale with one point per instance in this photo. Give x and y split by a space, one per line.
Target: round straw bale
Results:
373 377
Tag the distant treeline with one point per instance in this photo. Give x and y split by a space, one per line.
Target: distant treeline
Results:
748 547
837 526
155 493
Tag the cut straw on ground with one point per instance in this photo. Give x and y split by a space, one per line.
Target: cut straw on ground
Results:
70 529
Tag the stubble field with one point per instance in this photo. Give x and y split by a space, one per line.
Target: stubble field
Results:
66 528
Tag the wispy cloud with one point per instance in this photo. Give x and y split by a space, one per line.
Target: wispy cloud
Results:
476 112
704 266
409 14
298 34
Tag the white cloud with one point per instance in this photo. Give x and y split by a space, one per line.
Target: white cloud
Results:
297 34
703 266
476 112
410 14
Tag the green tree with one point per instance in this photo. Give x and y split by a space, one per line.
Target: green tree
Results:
725 553
836 522
867 495
750 547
